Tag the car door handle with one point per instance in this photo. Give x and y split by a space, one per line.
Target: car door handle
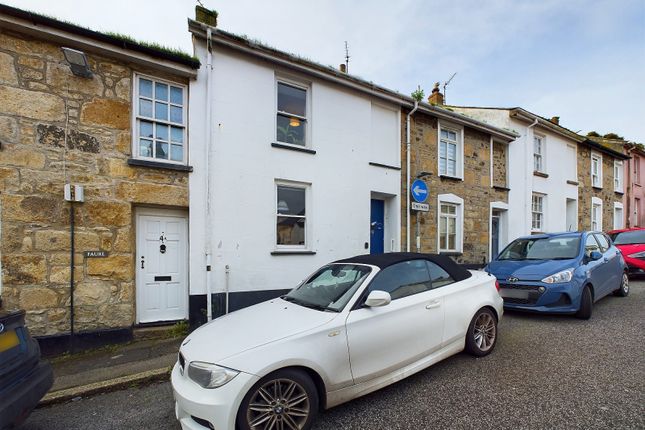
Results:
433 304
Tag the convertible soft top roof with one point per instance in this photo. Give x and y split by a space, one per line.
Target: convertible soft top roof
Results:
382 261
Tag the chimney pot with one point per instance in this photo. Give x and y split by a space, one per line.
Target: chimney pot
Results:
342 68
555 120
436 98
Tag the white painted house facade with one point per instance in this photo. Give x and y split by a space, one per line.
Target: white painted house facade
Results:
291 163
542 171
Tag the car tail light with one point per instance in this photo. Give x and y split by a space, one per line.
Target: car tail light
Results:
497 284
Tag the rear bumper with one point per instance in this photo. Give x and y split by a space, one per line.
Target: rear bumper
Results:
19 401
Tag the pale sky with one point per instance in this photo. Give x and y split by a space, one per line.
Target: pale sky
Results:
582 60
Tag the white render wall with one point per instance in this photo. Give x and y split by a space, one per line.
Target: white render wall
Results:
245 168
559 165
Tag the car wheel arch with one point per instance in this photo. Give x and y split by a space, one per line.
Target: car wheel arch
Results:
315 377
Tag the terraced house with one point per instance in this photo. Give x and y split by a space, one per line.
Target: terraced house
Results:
93 134
560 180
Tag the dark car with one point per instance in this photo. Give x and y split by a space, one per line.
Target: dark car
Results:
24 377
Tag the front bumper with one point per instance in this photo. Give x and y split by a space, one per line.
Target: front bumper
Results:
636 266
540 297
18 402
213 408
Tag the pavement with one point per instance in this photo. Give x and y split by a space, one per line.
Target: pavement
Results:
547 372
110 368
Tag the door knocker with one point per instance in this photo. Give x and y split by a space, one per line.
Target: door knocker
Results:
162 247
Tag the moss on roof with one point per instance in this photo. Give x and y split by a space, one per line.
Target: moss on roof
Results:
153 45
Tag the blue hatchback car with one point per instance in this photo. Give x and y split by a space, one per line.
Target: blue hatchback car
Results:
559 273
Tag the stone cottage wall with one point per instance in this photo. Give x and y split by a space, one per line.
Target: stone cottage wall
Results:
40 100
586 192
475 189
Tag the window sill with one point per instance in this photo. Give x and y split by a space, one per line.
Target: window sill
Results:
576 183
159 165
385 166
451 178
540 174
293 252
500 188
619 192
536 232
596 188
293 147
451 253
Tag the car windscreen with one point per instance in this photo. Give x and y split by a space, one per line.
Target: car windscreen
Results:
330 288
545 248
628 237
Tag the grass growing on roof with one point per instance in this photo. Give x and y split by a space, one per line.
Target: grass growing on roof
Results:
153 45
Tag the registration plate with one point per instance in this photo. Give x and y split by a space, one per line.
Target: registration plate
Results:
514 294
8 340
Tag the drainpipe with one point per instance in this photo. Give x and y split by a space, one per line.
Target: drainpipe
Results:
628 197
407 171
227 272
209 239
529 174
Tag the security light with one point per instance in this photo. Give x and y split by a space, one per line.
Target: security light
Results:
77 62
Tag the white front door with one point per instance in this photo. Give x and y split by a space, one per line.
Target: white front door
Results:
162 266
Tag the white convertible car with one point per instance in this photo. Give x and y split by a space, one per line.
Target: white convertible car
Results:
354 326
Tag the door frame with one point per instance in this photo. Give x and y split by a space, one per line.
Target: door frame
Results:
158 212
503 240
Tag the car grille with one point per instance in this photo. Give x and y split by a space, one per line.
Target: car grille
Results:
533 297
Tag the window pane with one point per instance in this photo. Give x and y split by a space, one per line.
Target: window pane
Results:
403 279
442 149
176 95
291 130
145 148
442 166
442 225
161 91
177 153
291 200
452 135
145 129
162 132
162 150
292 100
145 88
442 242
438 276
177 134
452 226
452 241
176 114
452 151
452 168
448 209
161 111
291 231
145 108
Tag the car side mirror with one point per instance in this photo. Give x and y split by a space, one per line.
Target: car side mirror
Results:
378 298
595 255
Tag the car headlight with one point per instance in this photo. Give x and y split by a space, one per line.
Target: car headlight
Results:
638 255
557 278
210 375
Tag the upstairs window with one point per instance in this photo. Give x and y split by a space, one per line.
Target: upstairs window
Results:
291 126
596 170
450 151
618 176
160 112
637 169
538 154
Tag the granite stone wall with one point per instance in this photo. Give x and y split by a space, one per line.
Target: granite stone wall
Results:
57 128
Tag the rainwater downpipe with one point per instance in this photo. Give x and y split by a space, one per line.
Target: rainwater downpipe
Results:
209 239
529 174
407 172
227 271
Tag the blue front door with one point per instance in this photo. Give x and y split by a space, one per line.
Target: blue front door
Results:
377 219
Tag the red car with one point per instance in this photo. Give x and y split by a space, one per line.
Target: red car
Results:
631 243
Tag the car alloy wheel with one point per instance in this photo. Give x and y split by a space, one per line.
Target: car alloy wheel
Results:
280 404
623 290
485 331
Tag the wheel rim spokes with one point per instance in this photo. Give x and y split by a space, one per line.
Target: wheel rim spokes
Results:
484 332
625 283
279 404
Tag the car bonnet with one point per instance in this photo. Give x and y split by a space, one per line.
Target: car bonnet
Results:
528 270
250 328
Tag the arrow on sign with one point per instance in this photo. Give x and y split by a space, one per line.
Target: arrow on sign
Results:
419 190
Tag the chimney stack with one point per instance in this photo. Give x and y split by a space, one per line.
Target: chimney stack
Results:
342 68
206 16
555 120
436 98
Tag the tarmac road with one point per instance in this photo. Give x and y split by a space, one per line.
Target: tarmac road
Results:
546 372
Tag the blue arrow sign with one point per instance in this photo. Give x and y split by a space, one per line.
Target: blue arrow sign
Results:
419 191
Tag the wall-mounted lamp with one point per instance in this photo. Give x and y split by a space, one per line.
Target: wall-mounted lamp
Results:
77 62
423 174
